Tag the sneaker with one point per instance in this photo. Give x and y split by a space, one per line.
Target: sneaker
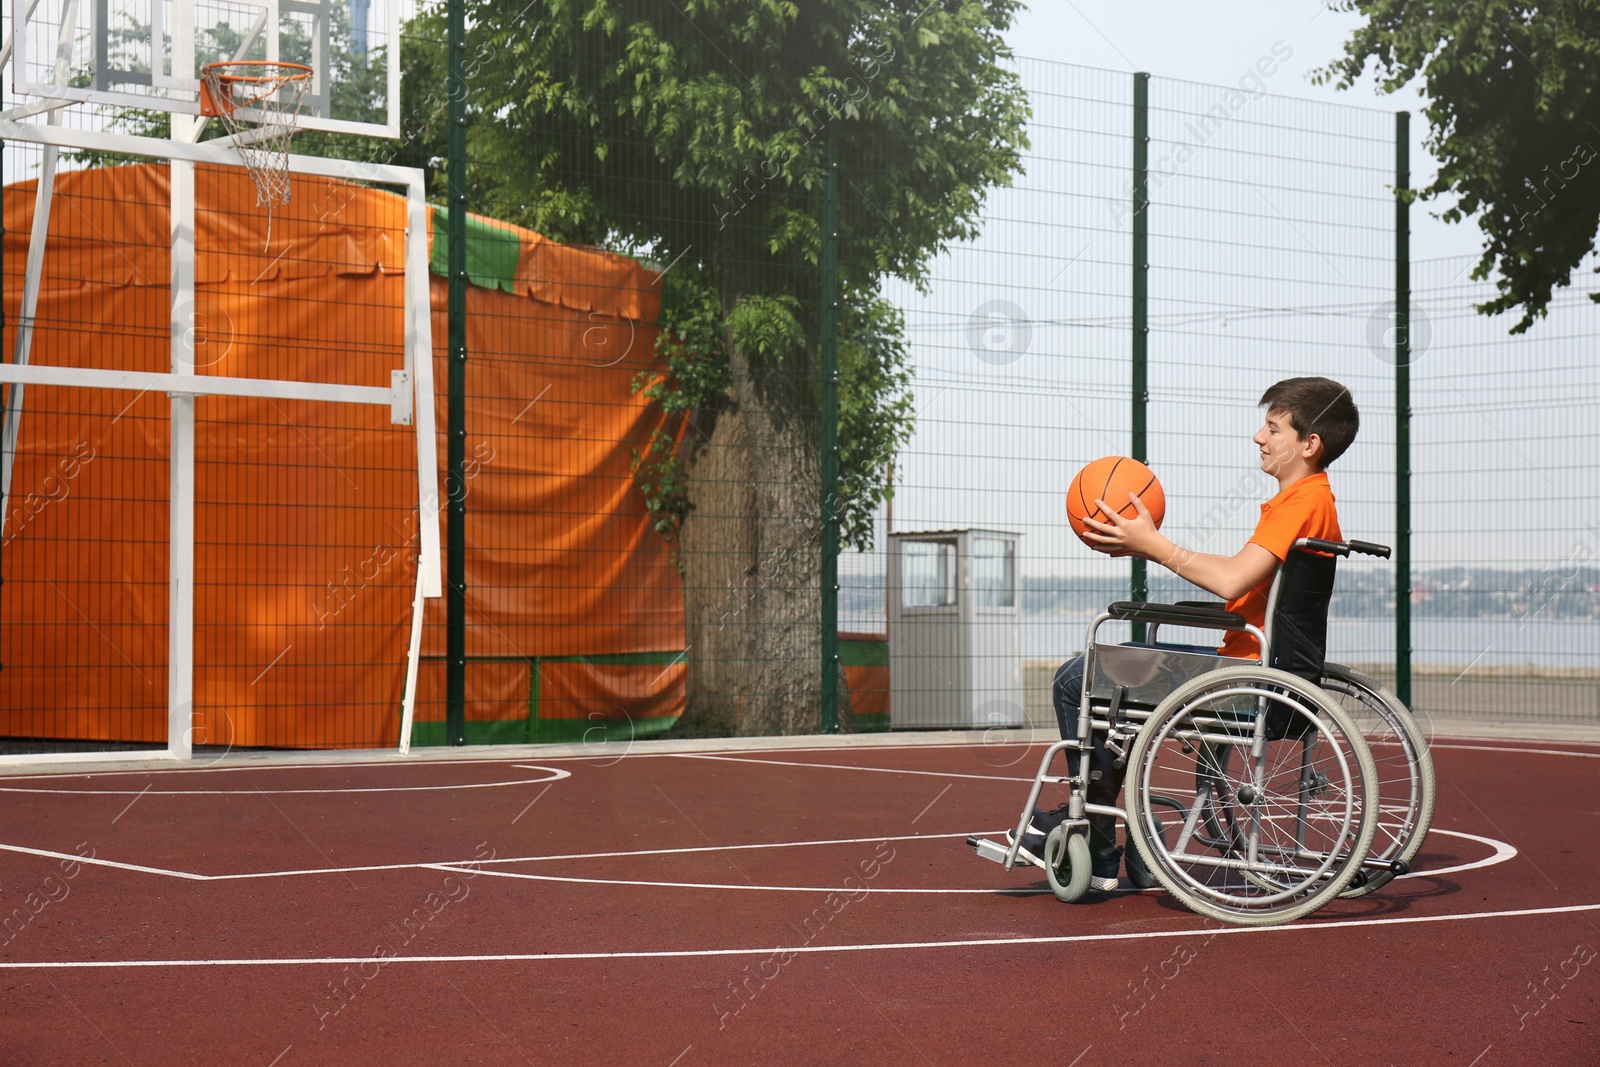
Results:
1033 837
1103 871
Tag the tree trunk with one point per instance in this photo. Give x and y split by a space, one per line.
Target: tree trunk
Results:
752 558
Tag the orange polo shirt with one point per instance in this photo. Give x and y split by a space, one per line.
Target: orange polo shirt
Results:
1305 509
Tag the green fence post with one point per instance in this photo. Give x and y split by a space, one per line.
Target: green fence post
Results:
1139 587
1402 407
828 357
455 715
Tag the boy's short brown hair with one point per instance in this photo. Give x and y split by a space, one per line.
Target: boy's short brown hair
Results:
1318 406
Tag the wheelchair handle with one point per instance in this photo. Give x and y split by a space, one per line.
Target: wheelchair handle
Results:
1343 548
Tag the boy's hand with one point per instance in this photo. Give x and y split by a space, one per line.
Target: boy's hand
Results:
1122 536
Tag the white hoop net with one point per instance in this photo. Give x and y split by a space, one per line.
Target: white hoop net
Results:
274 92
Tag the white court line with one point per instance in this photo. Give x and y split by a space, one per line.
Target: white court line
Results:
479 863
1304 926
729 848
190 876
1501 852
1513 751
851 767
95 861
1493 745
455 864
1456 738
515 761
555 775
734 885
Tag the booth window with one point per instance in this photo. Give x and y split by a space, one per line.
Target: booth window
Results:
927 574
993 572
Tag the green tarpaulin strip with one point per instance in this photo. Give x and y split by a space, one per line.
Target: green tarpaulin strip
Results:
594 731
492 253
545 731
496 732
864 653
619 659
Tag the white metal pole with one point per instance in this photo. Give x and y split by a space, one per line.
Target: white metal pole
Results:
419 361
44 191
30 307
408 702
180 578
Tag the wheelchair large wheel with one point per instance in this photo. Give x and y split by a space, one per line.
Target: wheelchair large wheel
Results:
1405 770
1272 779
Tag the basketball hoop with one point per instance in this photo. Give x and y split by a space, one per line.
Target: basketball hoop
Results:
274 91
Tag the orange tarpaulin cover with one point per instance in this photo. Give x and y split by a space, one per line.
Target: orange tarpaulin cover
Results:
305 521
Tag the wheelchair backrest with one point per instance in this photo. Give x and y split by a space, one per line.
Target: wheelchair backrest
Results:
1297 613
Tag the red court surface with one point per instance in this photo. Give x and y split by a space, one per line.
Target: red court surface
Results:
760 904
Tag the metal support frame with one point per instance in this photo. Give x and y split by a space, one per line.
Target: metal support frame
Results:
183 386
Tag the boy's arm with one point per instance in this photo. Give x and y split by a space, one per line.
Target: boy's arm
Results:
1226 576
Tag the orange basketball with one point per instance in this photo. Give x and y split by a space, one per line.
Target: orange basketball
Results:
1112 478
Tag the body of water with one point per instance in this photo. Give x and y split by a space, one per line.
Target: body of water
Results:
1459 642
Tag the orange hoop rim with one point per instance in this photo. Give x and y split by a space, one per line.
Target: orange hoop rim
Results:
280 70
272 74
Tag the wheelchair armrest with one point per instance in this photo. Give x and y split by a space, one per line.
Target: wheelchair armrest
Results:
1201 604
1203 615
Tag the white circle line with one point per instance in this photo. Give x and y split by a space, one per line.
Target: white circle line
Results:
1502 851
555 774
1303 926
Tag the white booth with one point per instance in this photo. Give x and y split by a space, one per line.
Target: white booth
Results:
955 644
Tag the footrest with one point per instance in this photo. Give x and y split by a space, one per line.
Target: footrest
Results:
989 850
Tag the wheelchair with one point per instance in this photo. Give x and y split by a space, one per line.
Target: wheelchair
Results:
1252 791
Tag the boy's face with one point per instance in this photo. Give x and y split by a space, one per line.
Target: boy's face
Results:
1282 448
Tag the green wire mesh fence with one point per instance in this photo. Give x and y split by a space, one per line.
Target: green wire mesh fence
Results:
641 477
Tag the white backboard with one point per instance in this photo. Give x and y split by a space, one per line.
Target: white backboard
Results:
148 53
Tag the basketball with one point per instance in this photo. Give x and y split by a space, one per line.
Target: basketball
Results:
1112 478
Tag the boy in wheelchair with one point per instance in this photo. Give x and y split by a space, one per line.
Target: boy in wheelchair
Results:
1310 422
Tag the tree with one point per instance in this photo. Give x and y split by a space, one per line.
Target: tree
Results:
694 133
1513 90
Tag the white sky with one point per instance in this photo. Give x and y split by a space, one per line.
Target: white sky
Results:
1217 42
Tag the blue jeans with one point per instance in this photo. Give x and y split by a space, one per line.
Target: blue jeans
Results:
1105 777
